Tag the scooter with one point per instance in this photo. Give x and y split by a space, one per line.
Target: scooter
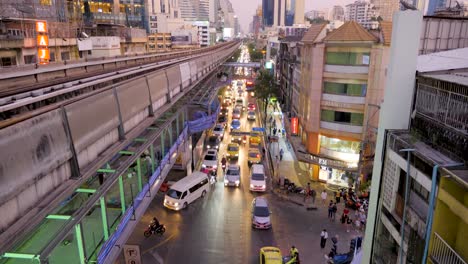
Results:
159 230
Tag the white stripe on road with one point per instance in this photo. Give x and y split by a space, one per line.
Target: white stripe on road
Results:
158 258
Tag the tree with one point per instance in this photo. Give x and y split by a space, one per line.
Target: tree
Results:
265 86
318 20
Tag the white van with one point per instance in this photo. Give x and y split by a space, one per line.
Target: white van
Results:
257 178
187 190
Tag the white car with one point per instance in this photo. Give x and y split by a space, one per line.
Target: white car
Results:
257 178
210 162
232 176
260 213
218 131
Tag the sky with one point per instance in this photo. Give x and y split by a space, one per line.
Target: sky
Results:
245 9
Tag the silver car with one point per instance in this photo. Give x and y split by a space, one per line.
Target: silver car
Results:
232 176
236 113
251 116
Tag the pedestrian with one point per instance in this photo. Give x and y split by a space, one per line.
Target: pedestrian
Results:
334 248
337 197
323 195
269 139
274 131
313 194
307 192
357 223
363 220
281 154
334 211
283 132
330 210
349 223
323 238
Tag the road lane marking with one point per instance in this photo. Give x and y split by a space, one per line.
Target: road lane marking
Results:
160 243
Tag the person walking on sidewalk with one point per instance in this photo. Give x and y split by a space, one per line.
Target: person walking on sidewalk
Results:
281 154
330 210
307 192
334 208
323 238
323 195
313 194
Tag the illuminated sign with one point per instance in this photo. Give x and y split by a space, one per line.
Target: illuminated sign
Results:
42 40
41 27
294 125
268 65
43 52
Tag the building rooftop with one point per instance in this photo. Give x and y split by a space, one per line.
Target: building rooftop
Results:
443 61
313 32
452 77
350 31
386 32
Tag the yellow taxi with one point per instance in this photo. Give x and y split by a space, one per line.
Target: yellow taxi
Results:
270 255
255 139
232 151
254 156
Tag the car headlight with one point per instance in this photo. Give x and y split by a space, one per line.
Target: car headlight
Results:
208 146
176 204
203 166
237 155
215 167
226 181
251 185
237 181
263 186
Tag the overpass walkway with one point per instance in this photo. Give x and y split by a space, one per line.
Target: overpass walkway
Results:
91 225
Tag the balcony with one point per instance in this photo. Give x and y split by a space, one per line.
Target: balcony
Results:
341 127
442 253
350 69
344 99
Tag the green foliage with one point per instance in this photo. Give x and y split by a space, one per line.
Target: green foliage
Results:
318 20
235 56
265 87
255 54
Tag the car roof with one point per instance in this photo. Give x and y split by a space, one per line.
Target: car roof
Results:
211 138
254 150
261 202
219 126
236 120
233 145
272 255
189 180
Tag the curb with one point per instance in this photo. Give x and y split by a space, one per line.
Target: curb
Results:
287 198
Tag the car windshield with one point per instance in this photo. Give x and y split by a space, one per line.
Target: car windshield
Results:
251 113
236 122
222 119
174 194
232 172
239 101
218 129
233 148
261 211
254 155
210 157
258 177
213 139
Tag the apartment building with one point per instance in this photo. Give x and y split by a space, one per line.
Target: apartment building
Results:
431 204
341 84
159 42
362 12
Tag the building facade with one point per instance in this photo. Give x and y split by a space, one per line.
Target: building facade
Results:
268 7
159 42
337 13
386 8
362 12
432 200
342 88
195 10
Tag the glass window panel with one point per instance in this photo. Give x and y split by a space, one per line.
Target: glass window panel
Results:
66 251
130 180
93 232
357 119
113 207
328 115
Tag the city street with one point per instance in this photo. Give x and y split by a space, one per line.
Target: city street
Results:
217 228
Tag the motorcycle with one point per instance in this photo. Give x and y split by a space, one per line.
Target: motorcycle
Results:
223 166
150 230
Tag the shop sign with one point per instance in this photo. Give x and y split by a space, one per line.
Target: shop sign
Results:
132 254
336 164
42 42
294 125
338 105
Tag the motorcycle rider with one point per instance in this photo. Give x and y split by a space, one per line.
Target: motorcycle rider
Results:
294 253
223 162
244 139
155 224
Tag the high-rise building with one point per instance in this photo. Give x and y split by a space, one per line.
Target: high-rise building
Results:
363 13
314 14
195 10
299 12
268 9
337 13
214 7
386 8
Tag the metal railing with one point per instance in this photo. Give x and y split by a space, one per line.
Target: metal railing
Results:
442 253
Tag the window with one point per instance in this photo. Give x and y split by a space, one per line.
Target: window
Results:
29 59
52 56
7 61
65 56
419 190
342 117
347 58
345 89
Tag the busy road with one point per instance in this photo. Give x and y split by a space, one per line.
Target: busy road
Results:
219 226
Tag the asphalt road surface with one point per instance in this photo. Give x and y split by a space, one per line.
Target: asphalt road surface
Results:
217 228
